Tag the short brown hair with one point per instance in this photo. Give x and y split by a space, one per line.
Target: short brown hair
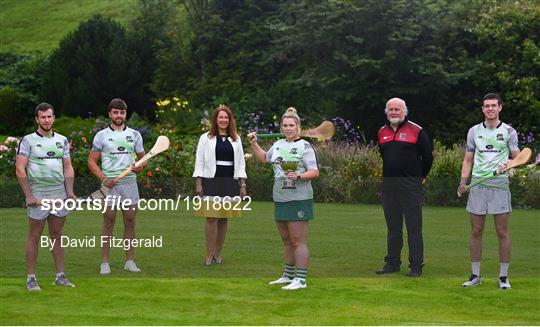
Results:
44 106
492 96
117 103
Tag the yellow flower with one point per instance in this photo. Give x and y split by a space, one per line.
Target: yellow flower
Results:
185 103
163 103
175 99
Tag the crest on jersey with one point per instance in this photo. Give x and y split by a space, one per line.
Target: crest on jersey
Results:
402 136
294 151
59 145
500 137
129 139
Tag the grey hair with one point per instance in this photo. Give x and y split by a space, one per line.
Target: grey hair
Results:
405 110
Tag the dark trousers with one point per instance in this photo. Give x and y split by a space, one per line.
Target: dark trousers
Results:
398 205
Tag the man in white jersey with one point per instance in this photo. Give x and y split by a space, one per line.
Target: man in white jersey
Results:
489 146
117 145
44 171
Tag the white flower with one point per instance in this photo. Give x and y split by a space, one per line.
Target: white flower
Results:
248 156
11 139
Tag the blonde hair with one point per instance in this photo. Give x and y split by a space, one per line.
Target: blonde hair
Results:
291 113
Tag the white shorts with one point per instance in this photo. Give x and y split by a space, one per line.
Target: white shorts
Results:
40 213
123 192
483 200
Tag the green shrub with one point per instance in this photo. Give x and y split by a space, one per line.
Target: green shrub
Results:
176 115
348 174
15 112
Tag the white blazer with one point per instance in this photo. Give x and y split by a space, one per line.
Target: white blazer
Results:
205 160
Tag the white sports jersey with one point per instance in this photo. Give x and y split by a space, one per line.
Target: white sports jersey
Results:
118 151
300 151
45 167
491 147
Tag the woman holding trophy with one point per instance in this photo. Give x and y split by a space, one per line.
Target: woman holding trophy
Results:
295 165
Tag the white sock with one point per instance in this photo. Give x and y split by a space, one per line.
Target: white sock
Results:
130 261
475 266
30 276
59 274
503 270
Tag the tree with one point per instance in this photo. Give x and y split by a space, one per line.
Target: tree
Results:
99 61
21 87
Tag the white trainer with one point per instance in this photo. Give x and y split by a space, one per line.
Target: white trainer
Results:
63 281
282 280
504 283
131 266
296 284
32 285
473 281
104 268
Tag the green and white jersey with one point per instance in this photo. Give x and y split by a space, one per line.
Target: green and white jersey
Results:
300 151
45 169
118 151
492 148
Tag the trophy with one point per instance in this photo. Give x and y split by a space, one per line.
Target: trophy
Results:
287 166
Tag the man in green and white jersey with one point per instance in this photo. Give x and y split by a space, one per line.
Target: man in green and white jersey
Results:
489 146
117 145
44 171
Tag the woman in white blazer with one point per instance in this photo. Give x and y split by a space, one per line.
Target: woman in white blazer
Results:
220 171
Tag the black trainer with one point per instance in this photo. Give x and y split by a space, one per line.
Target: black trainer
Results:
387 269
415 272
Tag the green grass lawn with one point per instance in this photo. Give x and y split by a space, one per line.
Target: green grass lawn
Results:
30 25
347 244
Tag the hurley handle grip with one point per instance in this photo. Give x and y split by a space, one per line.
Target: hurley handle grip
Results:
268 136
123 174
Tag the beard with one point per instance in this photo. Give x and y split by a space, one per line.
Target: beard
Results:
118 121
45 128
396 121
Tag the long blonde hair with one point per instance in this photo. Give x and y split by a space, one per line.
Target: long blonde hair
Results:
291 113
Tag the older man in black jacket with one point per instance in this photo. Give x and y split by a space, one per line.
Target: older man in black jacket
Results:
407 160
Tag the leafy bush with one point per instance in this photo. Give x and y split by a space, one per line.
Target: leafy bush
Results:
21 86
176 114
349 173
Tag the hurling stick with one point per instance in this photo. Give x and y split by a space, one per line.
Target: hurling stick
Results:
522 158
324 131
162 144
